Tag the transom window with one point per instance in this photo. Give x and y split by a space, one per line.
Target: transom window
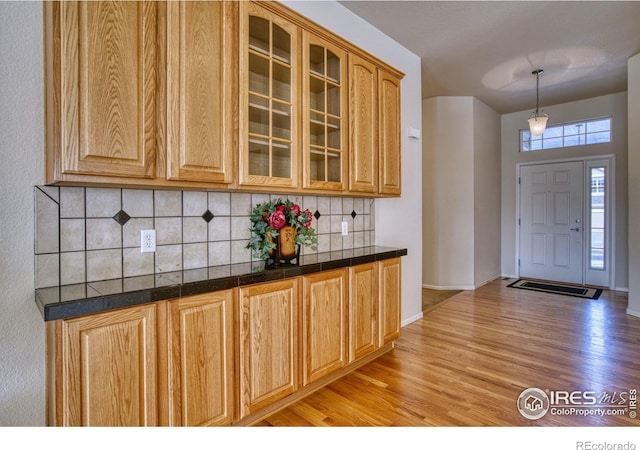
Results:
586 132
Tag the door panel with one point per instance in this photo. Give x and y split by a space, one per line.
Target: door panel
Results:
551 216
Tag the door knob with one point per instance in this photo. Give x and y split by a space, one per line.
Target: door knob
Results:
575 229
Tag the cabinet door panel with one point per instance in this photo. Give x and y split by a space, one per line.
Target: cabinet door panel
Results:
363 116
109 369
268 347
390 295
324 136
324 324
200 87
363 310
389 91
269 99
201 360
107 76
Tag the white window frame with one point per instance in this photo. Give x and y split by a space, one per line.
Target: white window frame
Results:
564 137
596 276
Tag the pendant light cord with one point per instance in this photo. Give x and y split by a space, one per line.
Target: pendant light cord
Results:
537 74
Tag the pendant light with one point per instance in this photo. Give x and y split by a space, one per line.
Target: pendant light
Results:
537 120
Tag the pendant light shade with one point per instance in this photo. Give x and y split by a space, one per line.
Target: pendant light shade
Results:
538 119
537 123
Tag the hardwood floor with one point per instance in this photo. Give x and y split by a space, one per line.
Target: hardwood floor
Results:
467 361
431 298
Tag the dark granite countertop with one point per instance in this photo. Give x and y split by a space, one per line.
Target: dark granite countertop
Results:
62 302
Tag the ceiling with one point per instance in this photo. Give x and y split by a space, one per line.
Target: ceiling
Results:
488 49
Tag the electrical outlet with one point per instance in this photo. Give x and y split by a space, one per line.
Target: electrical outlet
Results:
147 241
345 228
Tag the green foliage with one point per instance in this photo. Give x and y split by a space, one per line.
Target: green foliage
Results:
268 218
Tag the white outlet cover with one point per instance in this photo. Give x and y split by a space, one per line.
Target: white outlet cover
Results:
147 241
345 228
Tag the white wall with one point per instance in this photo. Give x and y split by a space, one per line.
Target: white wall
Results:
461 193
633 86
22 355
614 105
486 193
448 192
398 220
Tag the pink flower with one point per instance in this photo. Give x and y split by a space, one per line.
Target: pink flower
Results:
277 220
309 218
280 208
295 209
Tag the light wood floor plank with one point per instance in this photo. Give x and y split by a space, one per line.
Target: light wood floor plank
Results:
467 361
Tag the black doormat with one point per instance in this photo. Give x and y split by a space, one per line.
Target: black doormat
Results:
555 288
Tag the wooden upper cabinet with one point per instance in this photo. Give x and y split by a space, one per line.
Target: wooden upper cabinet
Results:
268 344
201 360
229 95
325 139
201 85
100 63
363 122
269 98
389 114
106 369
324 324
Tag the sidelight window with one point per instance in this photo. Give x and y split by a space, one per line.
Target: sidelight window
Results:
597 205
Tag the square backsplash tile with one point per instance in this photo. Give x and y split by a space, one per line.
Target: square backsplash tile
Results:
137 202
103 234
241 204
103 202
104 264
194 203
168 203
71 202
72 235
220 203
77 239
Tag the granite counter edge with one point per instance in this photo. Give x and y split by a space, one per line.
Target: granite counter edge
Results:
81 307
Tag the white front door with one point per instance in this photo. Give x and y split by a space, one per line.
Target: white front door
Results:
551 221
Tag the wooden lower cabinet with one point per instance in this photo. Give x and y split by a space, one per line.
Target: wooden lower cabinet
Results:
220 358
324 324
390 272
268 343
363 310
102 369
201 360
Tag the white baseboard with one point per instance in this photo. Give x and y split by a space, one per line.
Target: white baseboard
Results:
633 312
621 289
411 319
459 287
449 288
488 281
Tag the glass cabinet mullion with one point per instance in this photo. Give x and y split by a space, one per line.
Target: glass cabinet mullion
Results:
324 116
270 127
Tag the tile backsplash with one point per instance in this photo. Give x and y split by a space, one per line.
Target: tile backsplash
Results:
87 234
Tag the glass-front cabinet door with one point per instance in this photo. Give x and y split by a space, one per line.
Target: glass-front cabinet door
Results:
324 114
268 87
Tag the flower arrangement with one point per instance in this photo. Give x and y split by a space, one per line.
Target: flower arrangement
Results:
269 219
